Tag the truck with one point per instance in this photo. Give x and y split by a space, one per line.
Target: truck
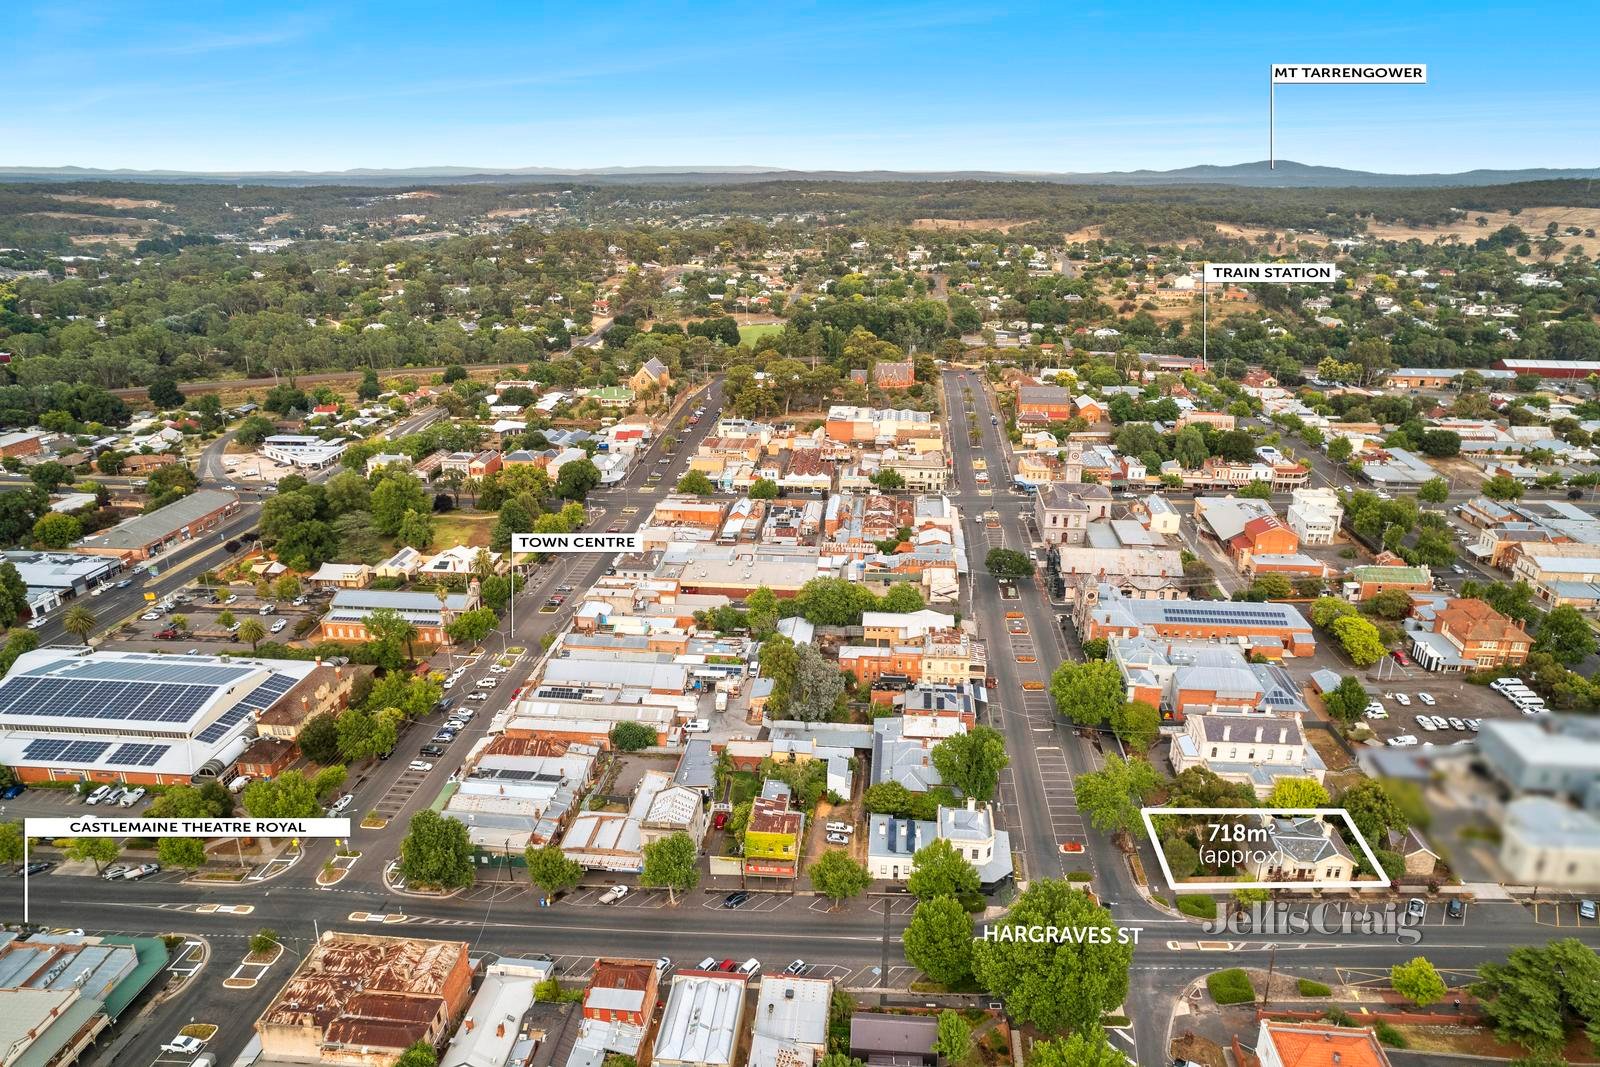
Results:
722 700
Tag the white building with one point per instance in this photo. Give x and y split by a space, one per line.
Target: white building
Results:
303 450
1315 515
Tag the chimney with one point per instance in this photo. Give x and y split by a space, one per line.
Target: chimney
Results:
500 1031
1227 729
972 804
467 1024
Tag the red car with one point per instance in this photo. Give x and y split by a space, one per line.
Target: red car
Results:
719 820
1401 658
725 965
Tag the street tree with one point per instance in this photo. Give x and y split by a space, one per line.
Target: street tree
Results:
838 877
1087 694
97 850
1113 795
1434 491
10 842
473 626
939 941
671 863
1373 809
252 632
1137 724
1056 986
938 869
1347 700
551 870
1007 564
436 852
1418 981
972 762
188 853
79 622
1565 634
319 738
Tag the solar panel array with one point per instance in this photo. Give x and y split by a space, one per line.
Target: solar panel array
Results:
100 699
140 670
562 692
138 755
1222 616
65 750
261 696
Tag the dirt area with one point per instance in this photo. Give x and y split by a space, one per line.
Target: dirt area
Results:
1003 225
121 203
1533 220
817 836
1333 755
1470 1041
117 220
283 216
513 212
126 240
1197 1049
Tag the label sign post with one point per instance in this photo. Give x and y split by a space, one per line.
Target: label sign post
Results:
136 826
1332 74
1255 274
571 543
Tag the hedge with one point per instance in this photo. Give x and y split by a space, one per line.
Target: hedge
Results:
1308 988
1230 987
1197 905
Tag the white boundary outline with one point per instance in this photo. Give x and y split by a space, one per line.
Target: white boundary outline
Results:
1381 882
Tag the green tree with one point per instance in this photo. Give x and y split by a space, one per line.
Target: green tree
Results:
938 869
97 850
11 842
1113 795
939 941
395 494
390 632
671 863
1137 724
419 1054
189 853
361 736
1297 793
697 483
436 852
764 489
225 619
251 631
264 941
632 736
838 877
1087 694
416 529
577 477
888 479
1434 491
79 622
1502 487
1347 700
473 626
1340 449
56 530
1359 639
290 795
1058 987
287 587
953 1039
1373 809
1081 1049
1417 981
551 870
1566 635
328 780
319 738
972 762
1007 564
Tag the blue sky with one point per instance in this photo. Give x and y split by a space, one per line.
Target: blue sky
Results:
252 85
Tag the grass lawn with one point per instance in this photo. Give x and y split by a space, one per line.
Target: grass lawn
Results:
748 335
744 786
463 528
1230 987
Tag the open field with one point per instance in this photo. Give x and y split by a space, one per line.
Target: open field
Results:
121 203
1003 225
749 335
463 528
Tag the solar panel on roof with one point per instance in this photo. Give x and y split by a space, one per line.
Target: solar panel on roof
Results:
45 748
84 751
138 755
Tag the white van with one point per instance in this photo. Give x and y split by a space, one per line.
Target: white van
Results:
98 795
238 784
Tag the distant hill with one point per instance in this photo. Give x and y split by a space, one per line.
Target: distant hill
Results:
1288 174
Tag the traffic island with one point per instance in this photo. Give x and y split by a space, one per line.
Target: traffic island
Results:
334 870
254 966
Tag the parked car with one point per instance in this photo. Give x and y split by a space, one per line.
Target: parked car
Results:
726 965
614 894
1456 724
798 967
1401 658
697 726
1403 700
278 626
131 797
169 634
432 750
341 804
98 795
735 899
1426 698
1402 741
185 1044
1586 909
150 616
707 964
477 696
114 872
144 870
1416 907
719 820
838 839
840 828
37 867
13 791
1455 909
420 765
750 966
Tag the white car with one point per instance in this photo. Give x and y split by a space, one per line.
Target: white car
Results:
233 598
1402 741
421 765
184 1044
1403 700
840 828
477 696
1426 698
449 684
150 616
487 683
614 894
838 839
278 626
497 669
1441 723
